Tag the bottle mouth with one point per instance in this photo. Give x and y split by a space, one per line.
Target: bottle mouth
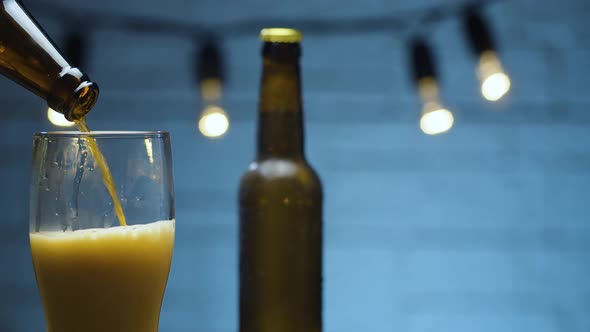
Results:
83 100
281 35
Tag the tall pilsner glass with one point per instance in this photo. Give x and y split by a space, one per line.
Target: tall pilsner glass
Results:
94 274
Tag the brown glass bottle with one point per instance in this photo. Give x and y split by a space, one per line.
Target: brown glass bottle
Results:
29 57
280 205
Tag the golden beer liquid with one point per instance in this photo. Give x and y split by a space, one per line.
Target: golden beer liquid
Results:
104 279
107 177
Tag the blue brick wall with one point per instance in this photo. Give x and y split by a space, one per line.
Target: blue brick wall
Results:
483 229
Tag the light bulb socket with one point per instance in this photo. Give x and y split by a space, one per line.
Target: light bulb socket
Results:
477 31
422 61
75 49
209 61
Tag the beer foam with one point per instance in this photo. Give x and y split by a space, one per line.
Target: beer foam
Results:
133 231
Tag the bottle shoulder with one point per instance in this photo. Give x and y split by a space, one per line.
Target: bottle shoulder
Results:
280 174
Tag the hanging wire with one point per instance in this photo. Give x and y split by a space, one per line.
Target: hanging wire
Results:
435 118
392 22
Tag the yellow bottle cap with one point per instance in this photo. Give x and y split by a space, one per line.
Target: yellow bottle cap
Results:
281 35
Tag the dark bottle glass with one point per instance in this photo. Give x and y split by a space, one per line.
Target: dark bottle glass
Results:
280 205
29 57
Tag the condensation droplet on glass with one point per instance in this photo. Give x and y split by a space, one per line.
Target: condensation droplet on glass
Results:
73 218
73 212
107 220
78 179
44 183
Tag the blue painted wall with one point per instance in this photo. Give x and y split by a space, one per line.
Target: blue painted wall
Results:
483 229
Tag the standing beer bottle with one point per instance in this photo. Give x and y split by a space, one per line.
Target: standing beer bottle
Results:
29 57
280 205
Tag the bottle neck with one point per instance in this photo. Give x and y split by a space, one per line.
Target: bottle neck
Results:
280 122
29 57
73 94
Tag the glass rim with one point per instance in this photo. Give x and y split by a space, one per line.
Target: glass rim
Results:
103 134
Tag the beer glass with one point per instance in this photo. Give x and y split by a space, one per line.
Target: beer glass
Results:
94 271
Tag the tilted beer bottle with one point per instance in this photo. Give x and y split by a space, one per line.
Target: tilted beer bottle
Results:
280 202
29 57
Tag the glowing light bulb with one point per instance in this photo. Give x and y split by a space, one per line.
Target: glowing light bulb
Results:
214 123
58 119
436 119
495 86
494 81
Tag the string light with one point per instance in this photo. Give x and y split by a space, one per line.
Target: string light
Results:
434 119
401 21
495 83
213 122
